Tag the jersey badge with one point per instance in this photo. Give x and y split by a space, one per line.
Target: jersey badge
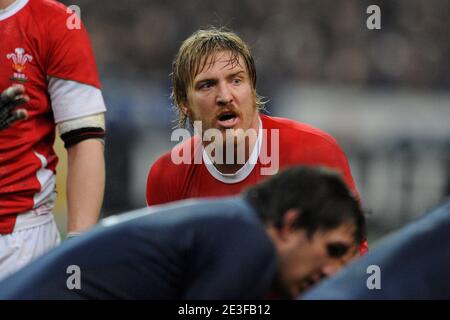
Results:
19 59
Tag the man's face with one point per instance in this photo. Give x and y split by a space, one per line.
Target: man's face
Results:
222 96
306 260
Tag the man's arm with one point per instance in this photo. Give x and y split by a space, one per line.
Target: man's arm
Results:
85 184
78 109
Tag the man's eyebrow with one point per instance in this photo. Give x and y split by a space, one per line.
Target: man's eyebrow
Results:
236 73
214 79
196 82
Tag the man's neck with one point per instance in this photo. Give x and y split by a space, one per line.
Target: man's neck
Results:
5 3
248 145
231 168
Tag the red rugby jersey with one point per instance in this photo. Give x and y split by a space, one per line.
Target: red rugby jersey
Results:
298 143
38 42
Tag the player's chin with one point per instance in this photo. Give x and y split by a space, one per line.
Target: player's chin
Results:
235 136
302 287
295 291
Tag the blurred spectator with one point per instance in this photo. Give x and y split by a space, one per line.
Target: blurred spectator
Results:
311 40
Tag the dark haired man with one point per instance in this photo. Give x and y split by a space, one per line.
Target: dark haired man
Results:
412 263
276 239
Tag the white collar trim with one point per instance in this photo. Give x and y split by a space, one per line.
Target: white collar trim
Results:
12 9
243 172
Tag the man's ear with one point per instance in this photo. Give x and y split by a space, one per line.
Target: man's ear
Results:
185 109
288 222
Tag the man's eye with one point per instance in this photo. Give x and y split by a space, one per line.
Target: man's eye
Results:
237 80
337 250
205 85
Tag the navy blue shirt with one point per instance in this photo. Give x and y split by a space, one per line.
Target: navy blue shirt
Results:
414 263
209 249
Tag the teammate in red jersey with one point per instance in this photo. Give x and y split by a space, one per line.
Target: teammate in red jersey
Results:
214 89
47 67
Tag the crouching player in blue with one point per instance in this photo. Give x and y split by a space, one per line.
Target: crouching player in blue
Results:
275 240
412 263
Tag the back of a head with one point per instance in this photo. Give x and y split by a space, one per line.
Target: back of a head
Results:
319 194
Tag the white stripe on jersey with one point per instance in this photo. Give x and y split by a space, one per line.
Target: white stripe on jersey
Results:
47 181
71 99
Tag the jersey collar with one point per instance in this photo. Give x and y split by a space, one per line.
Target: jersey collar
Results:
243 172
12 9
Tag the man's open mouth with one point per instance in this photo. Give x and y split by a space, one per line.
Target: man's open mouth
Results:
227 119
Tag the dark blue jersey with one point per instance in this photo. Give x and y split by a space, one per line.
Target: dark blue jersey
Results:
215 249
412 263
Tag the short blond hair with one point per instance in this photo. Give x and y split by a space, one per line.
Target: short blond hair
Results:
192 58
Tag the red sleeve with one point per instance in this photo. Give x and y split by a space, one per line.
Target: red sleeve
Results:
341 163
343 166
363 248
318 148
69 53
159 188
326 151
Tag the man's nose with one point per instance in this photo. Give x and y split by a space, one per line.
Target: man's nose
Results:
332 266
224 95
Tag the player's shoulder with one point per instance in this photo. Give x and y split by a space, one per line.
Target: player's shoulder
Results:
292 129
224 212
50 9
178 157
161 164
231 221
49 16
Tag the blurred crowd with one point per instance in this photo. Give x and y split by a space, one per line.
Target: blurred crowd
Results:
305 40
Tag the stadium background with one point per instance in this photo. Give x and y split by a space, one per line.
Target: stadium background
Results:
382 93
